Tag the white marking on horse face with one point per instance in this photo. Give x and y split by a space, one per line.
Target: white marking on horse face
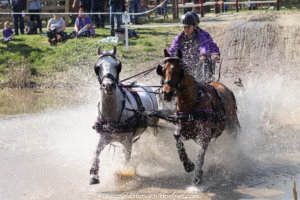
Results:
108 66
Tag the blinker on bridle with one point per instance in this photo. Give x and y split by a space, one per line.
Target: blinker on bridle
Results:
171 82
119 68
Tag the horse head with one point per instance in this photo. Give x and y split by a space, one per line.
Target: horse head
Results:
172 74
107 69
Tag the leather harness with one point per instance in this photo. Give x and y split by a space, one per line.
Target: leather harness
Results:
216 114
129 125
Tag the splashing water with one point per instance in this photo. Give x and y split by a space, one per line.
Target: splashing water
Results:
48 155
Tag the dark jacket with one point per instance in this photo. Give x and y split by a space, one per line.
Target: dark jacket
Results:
18 5
117 1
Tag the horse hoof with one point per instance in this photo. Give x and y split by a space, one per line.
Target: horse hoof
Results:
197 181
198 178
189 166
94 181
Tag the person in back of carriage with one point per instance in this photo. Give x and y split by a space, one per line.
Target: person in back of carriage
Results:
18 6
55 30
83 25
34 6
7 33
196 47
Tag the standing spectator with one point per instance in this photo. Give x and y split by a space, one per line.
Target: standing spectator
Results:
115 6
34 6
73 8
83 25
7 33
134 7
18 6
85 4
99 6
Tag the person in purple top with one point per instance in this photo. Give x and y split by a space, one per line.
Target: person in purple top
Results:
7 33
83 25
197 47
212 46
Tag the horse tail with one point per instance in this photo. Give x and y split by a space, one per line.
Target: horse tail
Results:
234 125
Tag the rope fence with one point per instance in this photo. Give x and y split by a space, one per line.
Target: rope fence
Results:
127 15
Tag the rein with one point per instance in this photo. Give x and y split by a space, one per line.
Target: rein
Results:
143 72
139 86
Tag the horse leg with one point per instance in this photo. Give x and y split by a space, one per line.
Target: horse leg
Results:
187 163
200 161
128 168
127 148
95 167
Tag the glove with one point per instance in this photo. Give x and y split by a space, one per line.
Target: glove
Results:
216 57
202 58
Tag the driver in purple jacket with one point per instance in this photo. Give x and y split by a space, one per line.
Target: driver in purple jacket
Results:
196 46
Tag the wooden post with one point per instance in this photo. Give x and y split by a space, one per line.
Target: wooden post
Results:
201 8
175 9
222 6
217 7
67 10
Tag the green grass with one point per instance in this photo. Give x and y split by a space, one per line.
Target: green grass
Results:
33 55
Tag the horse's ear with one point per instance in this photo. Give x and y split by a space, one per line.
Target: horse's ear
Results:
166 53
179 54
115 50
99 51
159 70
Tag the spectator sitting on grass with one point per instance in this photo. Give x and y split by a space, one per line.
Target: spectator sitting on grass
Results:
7 33
83 26
55 30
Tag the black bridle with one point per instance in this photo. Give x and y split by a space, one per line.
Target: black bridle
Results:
181 76
110 76
170 82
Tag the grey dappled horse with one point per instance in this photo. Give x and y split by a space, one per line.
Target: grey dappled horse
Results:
119 110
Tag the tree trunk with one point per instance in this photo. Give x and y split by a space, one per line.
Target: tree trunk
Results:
174 9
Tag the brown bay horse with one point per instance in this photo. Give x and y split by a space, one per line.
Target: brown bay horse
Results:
204 110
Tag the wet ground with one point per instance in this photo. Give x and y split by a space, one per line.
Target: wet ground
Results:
46 151
47 155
